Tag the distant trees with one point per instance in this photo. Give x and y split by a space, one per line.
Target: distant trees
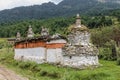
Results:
103 35
98 21
55 25
116 35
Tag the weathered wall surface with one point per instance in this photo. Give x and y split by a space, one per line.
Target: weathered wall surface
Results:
33 54
54 55
81 62
54 51
79 52
79 38
39 55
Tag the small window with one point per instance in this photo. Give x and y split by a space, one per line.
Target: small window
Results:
70 57
22 58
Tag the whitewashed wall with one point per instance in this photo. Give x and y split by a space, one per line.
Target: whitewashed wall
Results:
79 38
33 54
80 61
54 55
39 55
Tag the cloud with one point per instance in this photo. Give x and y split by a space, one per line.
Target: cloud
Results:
8 4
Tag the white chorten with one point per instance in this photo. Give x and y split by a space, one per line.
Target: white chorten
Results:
78 21
30 32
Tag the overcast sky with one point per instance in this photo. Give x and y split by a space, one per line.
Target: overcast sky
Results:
8 4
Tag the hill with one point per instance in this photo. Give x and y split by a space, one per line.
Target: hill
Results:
64 8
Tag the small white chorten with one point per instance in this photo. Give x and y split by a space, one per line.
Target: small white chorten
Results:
30 32
78 21
18 36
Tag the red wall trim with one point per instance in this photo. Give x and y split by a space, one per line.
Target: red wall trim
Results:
38 44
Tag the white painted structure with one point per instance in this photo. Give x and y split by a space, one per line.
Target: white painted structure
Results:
77 53
51 53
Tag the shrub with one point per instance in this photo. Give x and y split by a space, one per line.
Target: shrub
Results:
105 53
35 68
43 73
15 63
54 75
24 65
118 61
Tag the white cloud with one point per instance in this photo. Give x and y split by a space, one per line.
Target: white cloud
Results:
8 4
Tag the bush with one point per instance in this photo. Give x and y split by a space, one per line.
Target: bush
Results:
24 65
109 51
105 53
35 68
54 75
43 73
15 63
118 61
50 74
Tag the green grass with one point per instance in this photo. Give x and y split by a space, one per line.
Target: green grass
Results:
108 71
3 39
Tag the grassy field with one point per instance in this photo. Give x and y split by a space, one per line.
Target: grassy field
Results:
108 71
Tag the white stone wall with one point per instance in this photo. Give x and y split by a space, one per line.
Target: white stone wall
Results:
39 55
33 54
81 61
54 55
79 38
42 55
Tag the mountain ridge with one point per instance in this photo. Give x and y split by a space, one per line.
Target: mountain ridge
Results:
64 8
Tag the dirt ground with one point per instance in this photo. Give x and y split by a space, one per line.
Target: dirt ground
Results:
6 74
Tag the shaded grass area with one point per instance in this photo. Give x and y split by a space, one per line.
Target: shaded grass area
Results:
108 71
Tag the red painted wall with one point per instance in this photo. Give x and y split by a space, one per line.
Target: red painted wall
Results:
38 44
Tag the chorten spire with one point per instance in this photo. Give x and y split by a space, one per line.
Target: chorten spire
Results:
78 21
44 32
30 32
18 36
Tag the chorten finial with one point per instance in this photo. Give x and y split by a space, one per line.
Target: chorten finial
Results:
78 16
44 31
30 32
18 36
78 21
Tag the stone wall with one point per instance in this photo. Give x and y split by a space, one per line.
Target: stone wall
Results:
79 52
82 61
79 36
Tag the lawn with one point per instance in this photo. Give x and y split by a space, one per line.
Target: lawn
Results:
108 71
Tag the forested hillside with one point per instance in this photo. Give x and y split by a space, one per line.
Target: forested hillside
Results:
64 8
55 25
